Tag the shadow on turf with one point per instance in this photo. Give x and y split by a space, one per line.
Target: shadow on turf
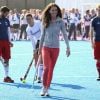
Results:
26 85
22 85
77 87
58 98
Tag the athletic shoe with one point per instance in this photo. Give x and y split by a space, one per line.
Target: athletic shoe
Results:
98 79
8 80
38 80
43 91
47 94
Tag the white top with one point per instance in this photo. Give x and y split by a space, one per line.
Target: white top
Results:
34 33
11 19
65 15
23 19
15 19
73 18
87 20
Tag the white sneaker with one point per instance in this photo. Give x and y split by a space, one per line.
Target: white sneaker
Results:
39 80
43 91
47 94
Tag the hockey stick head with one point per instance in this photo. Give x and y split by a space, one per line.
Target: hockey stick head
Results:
23 80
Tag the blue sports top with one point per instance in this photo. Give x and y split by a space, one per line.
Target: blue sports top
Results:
4 24
96 26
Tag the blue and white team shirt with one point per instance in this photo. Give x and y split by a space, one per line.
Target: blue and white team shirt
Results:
34 33
4 25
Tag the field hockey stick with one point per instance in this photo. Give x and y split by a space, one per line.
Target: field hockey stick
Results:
27 71
36 69
34 79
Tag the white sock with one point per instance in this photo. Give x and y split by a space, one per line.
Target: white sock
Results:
36 70
15 37
6 69
12 36
2 61
40 70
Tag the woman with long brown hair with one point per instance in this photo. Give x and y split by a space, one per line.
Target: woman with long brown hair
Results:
52 24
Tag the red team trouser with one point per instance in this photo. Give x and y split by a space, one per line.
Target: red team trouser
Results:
5 49
49 56
97 55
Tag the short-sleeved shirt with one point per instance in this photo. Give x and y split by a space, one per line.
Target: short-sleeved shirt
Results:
96 26
4 24
34 33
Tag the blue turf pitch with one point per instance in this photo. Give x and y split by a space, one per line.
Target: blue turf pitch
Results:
74 77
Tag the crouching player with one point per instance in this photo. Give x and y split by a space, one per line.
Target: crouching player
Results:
34 33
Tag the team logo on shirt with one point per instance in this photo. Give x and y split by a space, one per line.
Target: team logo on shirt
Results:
6 23
98 22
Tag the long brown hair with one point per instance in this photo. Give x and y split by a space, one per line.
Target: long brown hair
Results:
46 17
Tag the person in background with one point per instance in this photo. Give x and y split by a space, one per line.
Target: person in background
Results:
16 23
23 25
72 26
87 23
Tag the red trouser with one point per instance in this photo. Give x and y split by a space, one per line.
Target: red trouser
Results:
97 50
5 49
97 55
49 56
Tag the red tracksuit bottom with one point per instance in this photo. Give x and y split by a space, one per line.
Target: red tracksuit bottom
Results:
49 56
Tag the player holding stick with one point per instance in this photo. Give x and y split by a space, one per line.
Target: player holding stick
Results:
34 33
